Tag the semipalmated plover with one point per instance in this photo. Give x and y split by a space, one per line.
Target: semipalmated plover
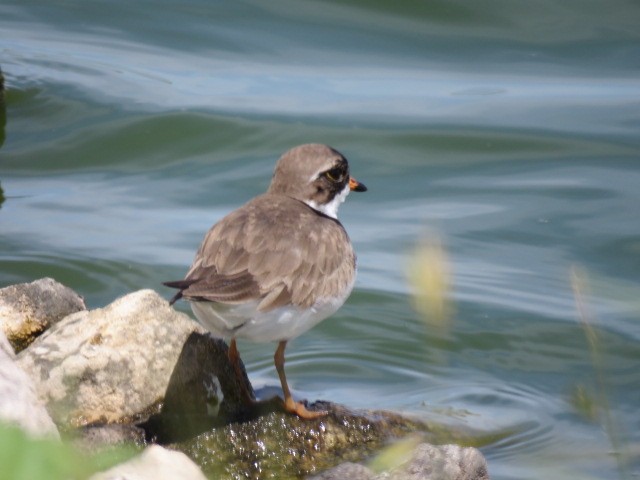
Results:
281 263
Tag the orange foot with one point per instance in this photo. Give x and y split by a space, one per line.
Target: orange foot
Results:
291 406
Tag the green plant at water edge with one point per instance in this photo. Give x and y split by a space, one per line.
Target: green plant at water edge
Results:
26 458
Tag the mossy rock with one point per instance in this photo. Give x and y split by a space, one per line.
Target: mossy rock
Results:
280 445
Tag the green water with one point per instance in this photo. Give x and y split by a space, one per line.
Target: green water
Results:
511 130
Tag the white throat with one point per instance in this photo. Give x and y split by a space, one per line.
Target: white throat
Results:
331 209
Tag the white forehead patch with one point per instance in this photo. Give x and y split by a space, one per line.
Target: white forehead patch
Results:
317 174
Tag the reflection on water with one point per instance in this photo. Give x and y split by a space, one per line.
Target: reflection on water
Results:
510 130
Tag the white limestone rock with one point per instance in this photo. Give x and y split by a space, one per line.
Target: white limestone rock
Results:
107 364
155 463
19 403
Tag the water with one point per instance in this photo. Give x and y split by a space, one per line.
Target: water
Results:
509 130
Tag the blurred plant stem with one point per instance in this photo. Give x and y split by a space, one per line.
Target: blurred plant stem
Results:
395 454
429 276
599 407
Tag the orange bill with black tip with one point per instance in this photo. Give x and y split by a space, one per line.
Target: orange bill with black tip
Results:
356 186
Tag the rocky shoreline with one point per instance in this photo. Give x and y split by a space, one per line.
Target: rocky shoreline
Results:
141 374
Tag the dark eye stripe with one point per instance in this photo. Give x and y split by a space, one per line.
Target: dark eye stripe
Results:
336 174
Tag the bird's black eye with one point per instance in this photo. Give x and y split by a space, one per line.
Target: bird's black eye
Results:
336 175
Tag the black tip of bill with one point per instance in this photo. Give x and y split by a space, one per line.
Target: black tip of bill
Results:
356 186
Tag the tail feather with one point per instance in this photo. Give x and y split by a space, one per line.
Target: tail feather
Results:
182 285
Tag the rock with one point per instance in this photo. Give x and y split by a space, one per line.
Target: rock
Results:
137 358
108 364
203 392
155 463
5 347
19 402
447 462
280 445
239 440
94 438
428 462
28 309
347 470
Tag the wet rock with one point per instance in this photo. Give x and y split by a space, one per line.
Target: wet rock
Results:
108 364
155 463
203 392
427 462
28 309
279 445
19 402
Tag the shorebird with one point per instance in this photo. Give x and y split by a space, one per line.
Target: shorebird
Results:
280 264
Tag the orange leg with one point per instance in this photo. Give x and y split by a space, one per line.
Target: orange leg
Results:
234 359
290 405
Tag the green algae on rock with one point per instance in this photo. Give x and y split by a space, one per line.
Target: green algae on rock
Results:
278 445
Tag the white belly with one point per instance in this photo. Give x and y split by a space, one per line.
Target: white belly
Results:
245 322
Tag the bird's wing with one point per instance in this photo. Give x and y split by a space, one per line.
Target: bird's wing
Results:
276 250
